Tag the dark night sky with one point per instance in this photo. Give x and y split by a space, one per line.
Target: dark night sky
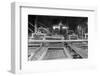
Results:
72 22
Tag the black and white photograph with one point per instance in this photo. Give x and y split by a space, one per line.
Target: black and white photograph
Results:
53 38
57 37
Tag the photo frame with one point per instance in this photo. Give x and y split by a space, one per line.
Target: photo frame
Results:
42 36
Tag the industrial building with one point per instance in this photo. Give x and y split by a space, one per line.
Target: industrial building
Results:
57 37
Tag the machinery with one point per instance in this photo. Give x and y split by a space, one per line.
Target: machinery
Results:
48 48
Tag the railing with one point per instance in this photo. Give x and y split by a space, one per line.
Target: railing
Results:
58 40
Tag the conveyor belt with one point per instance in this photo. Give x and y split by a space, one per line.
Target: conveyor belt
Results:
55 54
47 53
39 53
82 52
57 50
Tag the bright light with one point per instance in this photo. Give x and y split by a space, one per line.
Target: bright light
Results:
64 27
56 27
